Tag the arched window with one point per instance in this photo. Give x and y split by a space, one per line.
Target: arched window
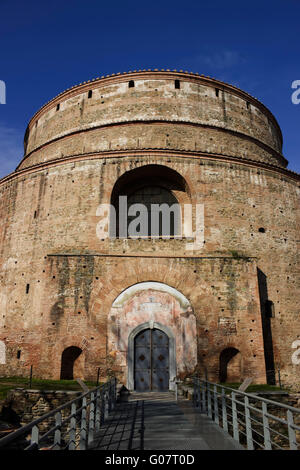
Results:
68 359
153 211
148 202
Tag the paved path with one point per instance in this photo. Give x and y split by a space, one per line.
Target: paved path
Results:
168 425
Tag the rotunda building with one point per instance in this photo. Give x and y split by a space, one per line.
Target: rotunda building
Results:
151 231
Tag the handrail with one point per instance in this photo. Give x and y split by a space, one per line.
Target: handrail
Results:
235 413
238 392
94 406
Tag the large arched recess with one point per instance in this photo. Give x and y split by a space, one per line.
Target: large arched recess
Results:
152 305
174 189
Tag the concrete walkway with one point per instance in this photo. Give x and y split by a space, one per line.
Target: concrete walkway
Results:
168 425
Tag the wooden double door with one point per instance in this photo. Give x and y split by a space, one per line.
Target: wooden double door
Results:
151 361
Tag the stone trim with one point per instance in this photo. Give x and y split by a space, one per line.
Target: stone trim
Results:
153 153
239 134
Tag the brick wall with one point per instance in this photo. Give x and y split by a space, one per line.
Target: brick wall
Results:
251 223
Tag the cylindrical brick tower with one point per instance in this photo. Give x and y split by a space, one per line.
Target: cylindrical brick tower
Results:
221 298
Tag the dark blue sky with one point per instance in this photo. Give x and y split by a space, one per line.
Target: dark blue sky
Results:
49 46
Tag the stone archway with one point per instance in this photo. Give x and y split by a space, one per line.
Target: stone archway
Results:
230 366
68 359
149 305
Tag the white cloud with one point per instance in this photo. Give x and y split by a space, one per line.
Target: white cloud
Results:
11 149
220 60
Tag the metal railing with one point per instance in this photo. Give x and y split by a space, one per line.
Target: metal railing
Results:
71 426
253 421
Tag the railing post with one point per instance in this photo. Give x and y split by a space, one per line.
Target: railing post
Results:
35 436
109 396
57 434
106 404
199 394
267 438
102 408
216 408
224 411
291 431
195 404
204 397
248 425
83 430
114 392
209 410
72 432
235 424
98 410
92 419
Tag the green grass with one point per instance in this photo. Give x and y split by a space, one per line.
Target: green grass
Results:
9 383
254 387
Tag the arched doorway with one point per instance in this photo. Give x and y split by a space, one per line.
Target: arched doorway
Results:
151 361
68 359
230 365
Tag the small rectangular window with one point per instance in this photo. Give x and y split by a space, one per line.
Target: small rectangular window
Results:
217 92
177 84
131 84
19 354
248 104
90 93
57 107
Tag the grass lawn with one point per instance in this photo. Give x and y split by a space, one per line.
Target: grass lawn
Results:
8 383
255 387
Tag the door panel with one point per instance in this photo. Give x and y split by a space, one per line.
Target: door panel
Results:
142 361
151 361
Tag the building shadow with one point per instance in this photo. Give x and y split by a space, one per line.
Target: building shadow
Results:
267 312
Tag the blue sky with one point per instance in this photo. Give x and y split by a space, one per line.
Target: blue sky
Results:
49 46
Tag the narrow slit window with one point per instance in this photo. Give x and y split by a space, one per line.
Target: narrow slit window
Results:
248 104
57 107
90 93
34 215
217 92
177 84
27 288
131 84
19 354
